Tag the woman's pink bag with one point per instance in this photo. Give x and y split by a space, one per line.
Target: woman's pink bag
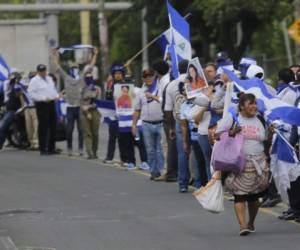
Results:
228 154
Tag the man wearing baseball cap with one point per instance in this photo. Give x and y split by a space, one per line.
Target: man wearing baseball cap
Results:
43 92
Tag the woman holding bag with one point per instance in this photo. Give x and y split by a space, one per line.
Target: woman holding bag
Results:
248 186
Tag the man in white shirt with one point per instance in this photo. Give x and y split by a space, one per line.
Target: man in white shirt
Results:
162 70
172 116
43 92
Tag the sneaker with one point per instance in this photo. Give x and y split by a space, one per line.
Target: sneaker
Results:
161 178
108 161
271 202
131 166
244 232
144 166
80 152
251 229
183 190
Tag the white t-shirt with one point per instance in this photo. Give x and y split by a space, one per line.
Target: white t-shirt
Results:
150 109
253 131
204 123
171 92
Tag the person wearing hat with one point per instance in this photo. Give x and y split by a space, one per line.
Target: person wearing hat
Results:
148 108
43 92
117 76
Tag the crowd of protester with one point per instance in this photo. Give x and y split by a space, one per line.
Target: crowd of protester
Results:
161 110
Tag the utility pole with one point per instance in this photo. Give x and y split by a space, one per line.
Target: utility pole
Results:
287 42
297 15
85 24
145 60
53 35
103 39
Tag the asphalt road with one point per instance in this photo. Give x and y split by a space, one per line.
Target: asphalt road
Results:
76 204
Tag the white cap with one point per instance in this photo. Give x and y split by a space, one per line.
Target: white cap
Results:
228 67
248 60
253 70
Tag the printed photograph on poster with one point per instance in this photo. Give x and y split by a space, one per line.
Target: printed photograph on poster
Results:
124 98
195 81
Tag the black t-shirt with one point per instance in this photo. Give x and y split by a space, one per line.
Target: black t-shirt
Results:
13 103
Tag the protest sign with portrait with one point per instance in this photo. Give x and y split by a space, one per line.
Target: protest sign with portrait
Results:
124 98
196 81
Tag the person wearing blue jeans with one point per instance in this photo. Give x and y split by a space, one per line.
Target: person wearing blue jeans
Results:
148 108
183 161
152 138
73 115
4 126
207 150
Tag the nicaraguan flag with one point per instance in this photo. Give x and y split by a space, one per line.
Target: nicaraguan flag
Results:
180 46
107 109
272 107
164 40
73 47
4 69
284 165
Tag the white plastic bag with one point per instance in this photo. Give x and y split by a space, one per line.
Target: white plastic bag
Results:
211 196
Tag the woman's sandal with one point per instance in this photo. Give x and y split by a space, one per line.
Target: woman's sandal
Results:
244 231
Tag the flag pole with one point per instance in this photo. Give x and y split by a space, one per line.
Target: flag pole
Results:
129 61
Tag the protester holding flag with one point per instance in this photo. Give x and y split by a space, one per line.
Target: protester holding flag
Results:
118 74
74 83
124 119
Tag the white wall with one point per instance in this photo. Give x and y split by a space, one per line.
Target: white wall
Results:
23 44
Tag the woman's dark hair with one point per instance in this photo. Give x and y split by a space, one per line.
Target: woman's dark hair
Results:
196 70
181 87
183 66
244 98
125 87
161 67
298 75
286 75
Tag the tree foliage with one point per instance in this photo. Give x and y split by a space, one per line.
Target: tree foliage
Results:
213 22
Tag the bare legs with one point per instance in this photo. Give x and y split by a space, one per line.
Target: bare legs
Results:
240 211
252 210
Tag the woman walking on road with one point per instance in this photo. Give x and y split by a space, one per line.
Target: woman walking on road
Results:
248 186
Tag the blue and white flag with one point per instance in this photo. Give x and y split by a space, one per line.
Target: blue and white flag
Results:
164 40
4 69
107 109
272 107
285 166
73 47
180 46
